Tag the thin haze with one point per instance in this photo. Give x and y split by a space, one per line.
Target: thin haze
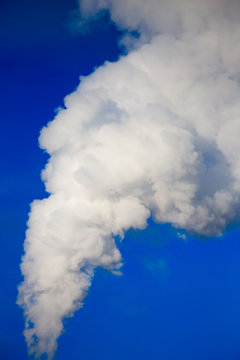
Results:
154 134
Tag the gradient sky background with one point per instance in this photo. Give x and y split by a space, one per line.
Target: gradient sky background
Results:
177 299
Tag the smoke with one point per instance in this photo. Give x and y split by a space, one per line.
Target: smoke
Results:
154 134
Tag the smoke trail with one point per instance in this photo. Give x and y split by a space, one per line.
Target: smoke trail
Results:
154 134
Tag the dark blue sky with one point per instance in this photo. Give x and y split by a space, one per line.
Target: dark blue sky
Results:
176 300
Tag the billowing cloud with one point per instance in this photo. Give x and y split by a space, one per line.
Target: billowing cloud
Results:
154 134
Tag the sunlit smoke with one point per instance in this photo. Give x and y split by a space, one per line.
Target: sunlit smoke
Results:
154 134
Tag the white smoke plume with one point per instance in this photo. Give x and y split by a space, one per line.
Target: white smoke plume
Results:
154 134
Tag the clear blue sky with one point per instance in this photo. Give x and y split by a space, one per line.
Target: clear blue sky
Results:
176 300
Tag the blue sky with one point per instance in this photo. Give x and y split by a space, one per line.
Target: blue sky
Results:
177 299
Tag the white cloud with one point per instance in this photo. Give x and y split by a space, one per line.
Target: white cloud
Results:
155 133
